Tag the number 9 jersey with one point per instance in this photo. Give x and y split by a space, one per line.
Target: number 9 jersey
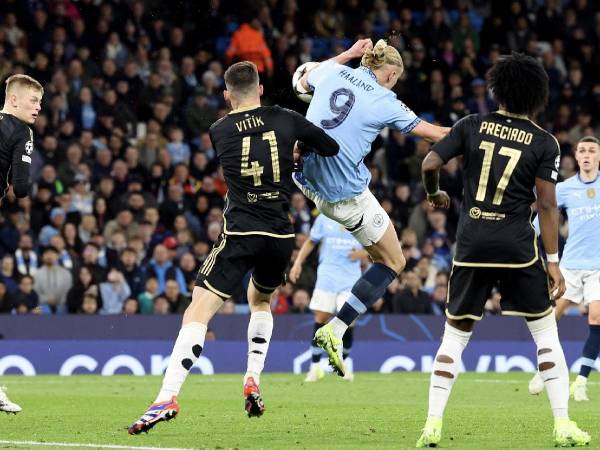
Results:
352 107
255 149
502 154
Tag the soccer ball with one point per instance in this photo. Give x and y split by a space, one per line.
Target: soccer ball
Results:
301 93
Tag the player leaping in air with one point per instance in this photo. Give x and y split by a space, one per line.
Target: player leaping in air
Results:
353 106
505 156
255 147
580 263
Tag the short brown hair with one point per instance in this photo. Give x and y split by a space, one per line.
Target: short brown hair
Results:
23 81
592 139
241 77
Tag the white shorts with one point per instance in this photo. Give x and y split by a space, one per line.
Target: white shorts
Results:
329 302
362 215
583 286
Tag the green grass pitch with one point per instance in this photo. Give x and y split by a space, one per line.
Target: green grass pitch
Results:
376 411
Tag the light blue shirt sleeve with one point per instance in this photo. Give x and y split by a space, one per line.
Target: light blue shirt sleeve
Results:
316 232
395 114
322 71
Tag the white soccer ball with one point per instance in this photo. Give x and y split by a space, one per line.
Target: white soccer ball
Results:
301 93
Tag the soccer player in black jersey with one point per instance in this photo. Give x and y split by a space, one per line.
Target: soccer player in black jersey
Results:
255 146
22 104
505 157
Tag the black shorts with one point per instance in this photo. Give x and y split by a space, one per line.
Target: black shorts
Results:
233 256
525 291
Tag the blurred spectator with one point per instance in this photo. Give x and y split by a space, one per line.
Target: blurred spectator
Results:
52 282
146 298
26 258
130 307
163 269
25 299
8 275
300 302
83 282
408 300
114 292
6 305
161 305
248 44
89 303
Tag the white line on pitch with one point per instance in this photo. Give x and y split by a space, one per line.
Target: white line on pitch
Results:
76 445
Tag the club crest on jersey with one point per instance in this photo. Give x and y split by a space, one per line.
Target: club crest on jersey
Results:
557 162
377 220
29 147
591 193
252 197
475 213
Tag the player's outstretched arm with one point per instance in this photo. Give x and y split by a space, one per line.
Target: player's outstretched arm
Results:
548 216
314 137
303 253
430 172
356 51
21 161
429 131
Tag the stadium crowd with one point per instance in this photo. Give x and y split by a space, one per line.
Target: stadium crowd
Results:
127 197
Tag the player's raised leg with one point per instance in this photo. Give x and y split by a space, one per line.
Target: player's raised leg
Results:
186 351
388 262
443 375
590 352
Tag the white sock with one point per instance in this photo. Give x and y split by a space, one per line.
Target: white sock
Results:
581 379
550 354
186 351
339 327
445 368
260 329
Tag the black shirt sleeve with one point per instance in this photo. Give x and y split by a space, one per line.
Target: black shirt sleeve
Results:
453 144
314 136
550 161
22 149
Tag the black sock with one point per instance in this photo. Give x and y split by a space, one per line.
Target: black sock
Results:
590 351
347 341
316 350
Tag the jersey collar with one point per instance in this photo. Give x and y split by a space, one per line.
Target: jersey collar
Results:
587 182
369 72
244 108
509 114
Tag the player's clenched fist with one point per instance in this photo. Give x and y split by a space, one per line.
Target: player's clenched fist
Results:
360 47
439 200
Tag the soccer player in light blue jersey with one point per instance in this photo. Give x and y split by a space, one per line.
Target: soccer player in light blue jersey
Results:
339 268
580 263
353 106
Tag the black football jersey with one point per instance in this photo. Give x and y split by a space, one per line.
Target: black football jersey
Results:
255 149
16 148
503 154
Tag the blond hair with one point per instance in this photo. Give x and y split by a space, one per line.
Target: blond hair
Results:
381 55
20 80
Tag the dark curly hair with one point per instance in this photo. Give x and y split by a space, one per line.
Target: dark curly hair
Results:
519 83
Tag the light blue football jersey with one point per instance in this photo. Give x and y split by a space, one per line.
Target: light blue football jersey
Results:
582 203
336 271
352 108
